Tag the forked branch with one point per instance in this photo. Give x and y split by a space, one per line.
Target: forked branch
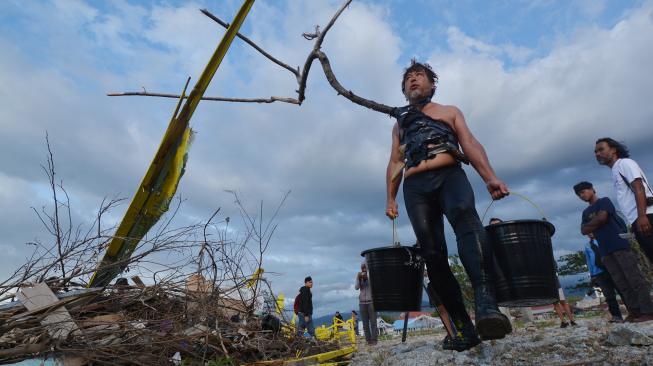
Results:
300 74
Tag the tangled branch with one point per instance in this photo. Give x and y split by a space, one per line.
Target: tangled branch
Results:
190 292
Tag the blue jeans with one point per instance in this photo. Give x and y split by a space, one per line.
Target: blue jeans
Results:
302 325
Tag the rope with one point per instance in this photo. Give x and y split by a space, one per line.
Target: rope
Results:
520 196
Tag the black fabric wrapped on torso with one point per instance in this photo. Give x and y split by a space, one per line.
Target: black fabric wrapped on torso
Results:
424 136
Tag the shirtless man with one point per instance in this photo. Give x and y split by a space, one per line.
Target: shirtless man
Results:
425 153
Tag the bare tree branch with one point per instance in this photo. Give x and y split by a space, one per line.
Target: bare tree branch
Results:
301 75
151 322
254 45
367 103
56 226
219 99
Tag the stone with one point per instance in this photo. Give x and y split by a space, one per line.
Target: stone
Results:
623 335
461 360
641 339
419 344
402 348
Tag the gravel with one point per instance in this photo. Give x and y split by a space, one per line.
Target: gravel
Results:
593 341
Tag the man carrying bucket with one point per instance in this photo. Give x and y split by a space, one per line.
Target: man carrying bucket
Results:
425 152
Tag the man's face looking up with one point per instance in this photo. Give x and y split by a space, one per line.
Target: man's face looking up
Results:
604 153
417 85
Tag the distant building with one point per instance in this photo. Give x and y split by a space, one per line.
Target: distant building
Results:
384 328
419 322
543 312
415 314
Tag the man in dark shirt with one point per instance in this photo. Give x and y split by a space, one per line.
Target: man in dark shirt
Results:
305 312
600 219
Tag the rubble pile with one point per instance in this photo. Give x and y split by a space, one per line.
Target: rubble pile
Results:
203 299
141 325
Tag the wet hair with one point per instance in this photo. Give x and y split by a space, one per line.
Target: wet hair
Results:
308 279
582 185
622 150
420 66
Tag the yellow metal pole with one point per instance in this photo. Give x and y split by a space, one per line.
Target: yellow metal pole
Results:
146 207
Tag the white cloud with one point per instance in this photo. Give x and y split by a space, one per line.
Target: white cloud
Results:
556 105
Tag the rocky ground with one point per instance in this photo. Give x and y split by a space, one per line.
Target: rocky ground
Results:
592 342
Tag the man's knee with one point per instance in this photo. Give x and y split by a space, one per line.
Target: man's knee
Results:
434 258
463 217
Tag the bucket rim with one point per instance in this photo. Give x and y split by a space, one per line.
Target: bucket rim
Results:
548 224
389 247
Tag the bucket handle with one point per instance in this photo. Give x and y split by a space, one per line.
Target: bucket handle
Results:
520 196
395 236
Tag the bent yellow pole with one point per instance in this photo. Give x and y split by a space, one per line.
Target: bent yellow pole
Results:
162 177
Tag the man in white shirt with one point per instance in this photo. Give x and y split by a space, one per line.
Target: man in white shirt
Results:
634 193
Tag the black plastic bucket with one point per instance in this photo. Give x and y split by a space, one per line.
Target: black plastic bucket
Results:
396 275
524 264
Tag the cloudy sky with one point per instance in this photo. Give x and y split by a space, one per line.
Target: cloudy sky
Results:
538 81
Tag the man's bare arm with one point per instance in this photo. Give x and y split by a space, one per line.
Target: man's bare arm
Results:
642 222
392 185
477 157
596 222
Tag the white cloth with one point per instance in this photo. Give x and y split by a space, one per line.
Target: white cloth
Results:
625 196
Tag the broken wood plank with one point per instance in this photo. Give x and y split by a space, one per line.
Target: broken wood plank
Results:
59 323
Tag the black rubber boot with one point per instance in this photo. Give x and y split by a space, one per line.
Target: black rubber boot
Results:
464 339
490 322
475 252
447 343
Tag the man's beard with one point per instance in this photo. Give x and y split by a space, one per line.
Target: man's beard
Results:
416 95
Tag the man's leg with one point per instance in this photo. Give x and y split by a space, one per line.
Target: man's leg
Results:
427 221
628 261
301 324
374 332
567 309
558 309
435 301
365 318
645 241
310 328
457 201
607 287
613 265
